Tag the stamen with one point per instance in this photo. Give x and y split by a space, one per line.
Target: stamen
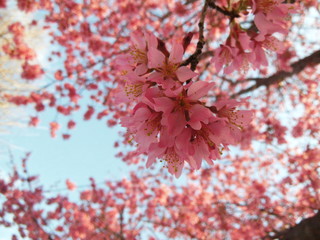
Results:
138 55
266 5
152 125
169 69
173 159
133 90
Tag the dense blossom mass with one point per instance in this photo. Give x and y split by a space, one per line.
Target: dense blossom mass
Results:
170 121
192 83
176 113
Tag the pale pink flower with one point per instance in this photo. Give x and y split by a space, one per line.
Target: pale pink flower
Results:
196 146
184 109
270 15
137 59
227 109
135 85
262 43
223 57
169 155
243 61
139 50
236 120
144 125
178 141
168 68
31 72
70 185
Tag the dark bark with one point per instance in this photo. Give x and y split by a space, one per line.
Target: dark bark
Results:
280 76
307 229
193 59
231 14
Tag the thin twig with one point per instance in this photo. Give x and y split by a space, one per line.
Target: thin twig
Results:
280 76
231 14
193 59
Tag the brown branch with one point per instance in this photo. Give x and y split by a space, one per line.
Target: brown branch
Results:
205 55
231 14
307 229
193 59
121 224
280 76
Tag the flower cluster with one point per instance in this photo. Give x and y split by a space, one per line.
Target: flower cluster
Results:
170 120
246 47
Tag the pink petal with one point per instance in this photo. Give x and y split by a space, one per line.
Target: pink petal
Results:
193 163
138 40
144 138
156 77
228 103
179 171
199 113
141 69
202 152
154 152
176 123
176 168
260 57
196 125
169 92
134 77
176 53
244 40
184 73
163 104
183 140
166 139
199 89
151 40
244 117
156 58
142 114
265 26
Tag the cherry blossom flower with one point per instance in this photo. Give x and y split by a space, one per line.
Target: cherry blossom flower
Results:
259 46
144 124
270 15
169 121
135 85
168 69
137 59
31 72
223 57
185 108
70 185
236 120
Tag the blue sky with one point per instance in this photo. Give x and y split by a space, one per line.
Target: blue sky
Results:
88 153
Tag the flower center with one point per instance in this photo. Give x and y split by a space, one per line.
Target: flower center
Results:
169 69
270 43
133 90
232 116
226 56
138 55
153 125
172 159
266 6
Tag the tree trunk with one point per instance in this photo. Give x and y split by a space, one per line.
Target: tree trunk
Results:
307 229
